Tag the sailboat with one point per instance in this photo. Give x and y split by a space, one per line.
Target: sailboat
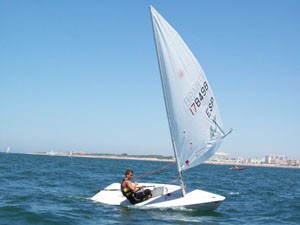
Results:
8 150
194 122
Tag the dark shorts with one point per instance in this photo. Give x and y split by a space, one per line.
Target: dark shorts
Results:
140 196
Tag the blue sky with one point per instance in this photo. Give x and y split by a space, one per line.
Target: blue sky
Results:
83 75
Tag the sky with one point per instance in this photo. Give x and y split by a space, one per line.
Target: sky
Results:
83 75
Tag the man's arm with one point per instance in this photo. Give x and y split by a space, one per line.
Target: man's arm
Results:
131 186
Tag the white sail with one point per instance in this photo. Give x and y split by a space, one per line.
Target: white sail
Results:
194 120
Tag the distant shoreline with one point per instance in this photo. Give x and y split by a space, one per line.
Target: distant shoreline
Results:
252 165
108 156
159 158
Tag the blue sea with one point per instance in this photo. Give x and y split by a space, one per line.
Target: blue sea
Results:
39 189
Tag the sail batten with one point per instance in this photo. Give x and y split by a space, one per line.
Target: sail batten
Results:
193 116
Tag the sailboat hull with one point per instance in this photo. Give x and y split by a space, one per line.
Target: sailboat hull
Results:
164 196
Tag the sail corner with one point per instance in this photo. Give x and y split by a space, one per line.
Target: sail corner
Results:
152 9
227 133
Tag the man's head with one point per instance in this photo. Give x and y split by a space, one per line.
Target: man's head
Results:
129 174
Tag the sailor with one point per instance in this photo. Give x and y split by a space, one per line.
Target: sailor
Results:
133 192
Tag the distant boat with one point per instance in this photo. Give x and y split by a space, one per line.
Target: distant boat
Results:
8 150
194 122
51 153
237 168
70 154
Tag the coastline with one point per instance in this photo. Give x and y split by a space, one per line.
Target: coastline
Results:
107 156
146 158
124 157
221 163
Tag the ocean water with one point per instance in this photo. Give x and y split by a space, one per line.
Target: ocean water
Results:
37 189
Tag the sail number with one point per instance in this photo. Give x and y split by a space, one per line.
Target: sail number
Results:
210 107
199 98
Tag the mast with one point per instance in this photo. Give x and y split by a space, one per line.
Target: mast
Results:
167 108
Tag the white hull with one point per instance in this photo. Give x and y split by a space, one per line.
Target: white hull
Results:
164 196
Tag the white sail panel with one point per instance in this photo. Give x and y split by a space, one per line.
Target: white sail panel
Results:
193 115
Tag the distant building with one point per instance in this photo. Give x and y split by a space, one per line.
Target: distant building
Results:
255 161
220 156
293 162
237 160
80 153
276 159
272 160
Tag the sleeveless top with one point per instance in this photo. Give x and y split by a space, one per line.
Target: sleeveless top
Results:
127 192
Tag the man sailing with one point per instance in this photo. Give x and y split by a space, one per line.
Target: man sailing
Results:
134 193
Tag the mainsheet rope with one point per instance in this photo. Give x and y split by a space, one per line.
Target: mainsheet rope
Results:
154 171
